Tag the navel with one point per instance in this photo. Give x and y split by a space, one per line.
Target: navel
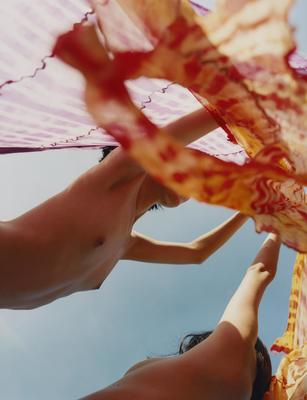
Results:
99 241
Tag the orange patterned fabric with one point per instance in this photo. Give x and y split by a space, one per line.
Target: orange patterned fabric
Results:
235 62
295 335
290 382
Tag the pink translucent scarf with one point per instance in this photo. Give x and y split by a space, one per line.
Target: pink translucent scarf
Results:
41 111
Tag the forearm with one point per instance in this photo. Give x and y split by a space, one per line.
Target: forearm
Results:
192 126
147 249
142 248
242 310
207 244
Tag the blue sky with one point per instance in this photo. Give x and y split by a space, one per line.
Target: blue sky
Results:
79 344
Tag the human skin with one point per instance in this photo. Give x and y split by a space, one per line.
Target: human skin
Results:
72 241
221 367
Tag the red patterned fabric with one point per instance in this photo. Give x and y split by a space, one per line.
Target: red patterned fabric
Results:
39 111
290 381
238 61
242 76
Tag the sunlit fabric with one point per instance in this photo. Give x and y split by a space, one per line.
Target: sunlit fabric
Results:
296 332
238 61
39 110
290 382
258 97
240 74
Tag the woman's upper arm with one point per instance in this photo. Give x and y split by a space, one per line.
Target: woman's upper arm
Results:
224 354
150 380
146 249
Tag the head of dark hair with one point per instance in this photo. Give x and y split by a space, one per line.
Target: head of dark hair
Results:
263 368
105 152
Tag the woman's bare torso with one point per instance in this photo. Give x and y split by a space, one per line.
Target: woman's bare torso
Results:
67 244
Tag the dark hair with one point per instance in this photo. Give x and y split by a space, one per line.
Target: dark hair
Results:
263 368
105 151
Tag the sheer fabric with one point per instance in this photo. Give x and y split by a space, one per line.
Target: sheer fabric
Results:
235 61
145 64
290 382
41 99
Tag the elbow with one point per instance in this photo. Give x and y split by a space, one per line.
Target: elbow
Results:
199 255
197 260
200 259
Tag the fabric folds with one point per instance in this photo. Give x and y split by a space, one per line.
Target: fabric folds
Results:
243 78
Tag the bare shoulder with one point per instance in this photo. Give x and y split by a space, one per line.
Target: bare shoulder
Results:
13 239
157 379
5 236
167 379
8 231
226 360
15 245
116 168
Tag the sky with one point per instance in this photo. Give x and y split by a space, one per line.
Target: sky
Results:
84 342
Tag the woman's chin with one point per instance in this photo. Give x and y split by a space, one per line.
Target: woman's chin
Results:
172 200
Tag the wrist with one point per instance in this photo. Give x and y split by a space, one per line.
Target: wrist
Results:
260 272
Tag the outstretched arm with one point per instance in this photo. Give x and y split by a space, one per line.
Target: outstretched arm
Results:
192 126
142 248
119 167
229 351
242 310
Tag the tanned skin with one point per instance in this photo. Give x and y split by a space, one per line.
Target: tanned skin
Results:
221 367
72 241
